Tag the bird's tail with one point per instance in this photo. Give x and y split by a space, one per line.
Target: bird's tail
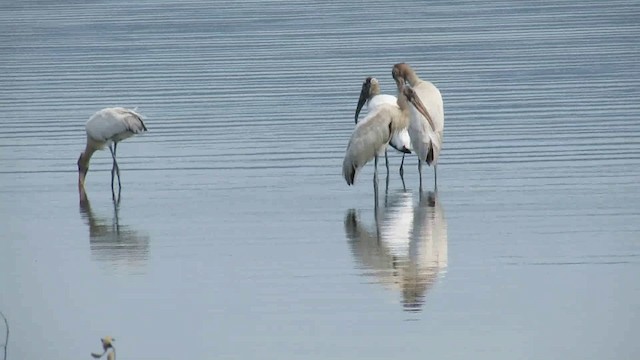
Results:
349 169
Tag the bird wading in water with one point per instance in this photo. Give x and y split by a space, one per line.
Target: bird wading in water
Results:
107 344
426 130
108 127
370 95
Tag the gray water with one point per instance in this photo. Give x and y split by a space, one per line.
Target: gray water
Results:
235 236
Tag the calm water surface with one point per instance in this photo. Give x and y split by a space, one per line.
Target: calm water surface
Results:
235 236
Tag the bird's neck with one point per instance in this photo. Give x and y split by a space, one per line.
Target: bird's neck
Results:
85 157
374 90
411 77
403 104
402 99
83 163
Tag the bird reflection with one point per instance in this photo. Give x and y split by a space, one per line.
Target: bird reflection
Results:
6 337
406 247
110 241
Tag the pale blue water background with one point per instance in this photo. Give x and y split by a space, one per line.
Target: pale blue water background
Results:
236 236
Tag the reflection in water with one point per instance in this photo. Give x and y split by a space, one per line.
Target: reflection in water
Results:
6 337
110 241
406 250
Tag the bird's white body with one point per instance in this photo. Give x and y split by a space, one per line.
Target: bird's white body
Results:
113 125
399 140
387 116
371 136
105 128
423 137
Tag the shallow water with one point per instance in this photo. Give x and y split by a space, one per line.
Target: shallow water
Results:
235 235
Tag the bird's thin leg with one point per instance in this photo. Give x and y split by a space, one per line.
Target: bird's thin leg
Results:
386 187
115 148
386 161
435 177
404 187
420 172
375 170
113 167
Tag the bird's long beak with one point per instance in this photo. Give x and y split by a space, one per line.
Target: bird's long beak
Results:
417 103
81 176
364 95
98 356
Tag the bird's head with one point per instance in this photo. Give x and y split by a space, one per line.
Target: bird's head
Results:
365 93
402 73
398 75
107 342
83 167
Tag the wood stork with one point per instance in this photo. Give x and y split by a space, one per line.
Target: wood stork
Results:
108 127
370 95
425 127
370 137
107 343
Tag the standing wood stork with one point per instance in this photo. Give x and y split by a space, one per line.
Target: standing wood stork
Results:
108 127
371 137
107 343
370 94
425 128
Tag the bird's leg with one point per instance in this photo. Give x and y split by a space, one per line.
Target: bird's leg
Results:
113 167
386 187
375 170
420 172
404 187
115 148
116 201
435 177
386 161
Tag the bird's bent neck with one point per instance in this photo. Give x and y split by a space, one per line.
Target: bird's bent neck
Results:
402 99
410 76
85 157
83 162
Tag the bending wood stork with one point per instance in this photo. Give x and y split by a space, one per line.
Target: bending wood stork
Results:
425 129
108 127
107 343
371 137
370 94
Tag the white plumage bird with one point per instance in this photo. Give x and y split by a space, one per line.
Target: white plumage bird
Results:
370 95
425 129
370 137
108 127
107 344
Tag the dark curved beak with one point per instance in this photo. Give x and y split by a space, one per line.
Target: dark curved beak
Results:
417 103
364 95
